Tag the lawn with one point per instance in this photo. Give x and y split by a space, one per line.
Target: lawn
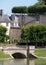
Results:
3 55
40 52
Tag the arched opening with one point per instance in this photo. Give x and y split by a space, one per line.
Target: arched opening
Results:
18 55
32 56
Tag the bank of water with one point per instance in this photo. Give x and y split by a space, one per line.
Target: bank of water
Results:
23 62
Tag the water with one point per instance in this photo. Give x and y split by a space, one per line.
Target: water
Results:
23 62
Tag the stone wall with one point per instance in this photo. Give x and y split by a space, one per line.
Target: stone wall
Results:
43 19
15 33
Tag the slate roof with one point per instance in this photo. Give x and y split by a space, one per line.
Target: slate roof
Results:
4 18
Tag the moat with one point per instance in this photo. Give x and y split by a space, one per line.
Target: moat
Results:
23 62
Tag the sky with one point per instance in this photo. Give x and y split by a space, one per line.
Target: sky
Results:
7 5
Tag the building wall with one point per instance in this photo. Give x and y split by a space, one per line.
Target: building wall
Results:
27 20
15 33
13 25
7 22
7 26
42 19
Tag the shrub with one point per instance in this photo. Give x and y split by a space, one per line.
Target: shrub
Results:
35 34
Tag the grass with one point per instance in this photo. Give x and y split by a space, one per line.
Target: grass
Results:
3 55
41 52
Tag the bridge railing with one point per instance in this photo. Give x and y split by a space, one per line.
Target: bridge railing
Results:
22 47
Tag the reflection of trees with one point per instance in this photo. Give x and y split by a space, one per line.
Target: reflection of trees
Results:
31 62
40 62
15 62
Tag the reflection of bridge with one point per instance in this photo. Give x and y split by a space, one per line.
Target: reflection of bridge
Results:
18 49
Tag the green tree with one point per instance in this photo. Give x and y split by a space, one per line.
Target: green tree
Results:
35 33
19 9
7 38
43 1
2 33
32 10
37 9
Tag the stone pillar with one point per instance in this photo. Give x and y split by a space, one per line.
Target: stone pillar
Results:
15 33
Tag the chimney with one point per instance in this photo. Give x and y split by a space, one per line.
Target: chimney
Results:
1 12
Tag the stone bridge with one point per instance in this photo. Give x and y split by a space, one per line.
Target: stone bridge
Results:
22 50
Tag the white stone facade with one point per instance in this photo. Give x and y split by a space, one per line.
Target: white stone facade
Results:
7 22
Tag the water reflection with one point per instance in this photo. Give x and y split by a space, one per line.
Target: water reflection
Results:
40 62
31 62
23 62
13 62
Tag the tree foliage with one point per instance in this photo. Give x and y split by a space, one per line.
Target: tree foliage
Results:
41 9
35 33
43 1
38 8
2 33
19 9
7 38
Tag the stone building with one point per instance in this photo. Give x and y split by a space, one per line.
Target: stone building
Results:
15 33
11 23
25 20
14 23
32 19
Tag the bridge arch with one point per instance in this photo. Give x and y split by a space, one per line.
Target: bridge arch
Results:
18 55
